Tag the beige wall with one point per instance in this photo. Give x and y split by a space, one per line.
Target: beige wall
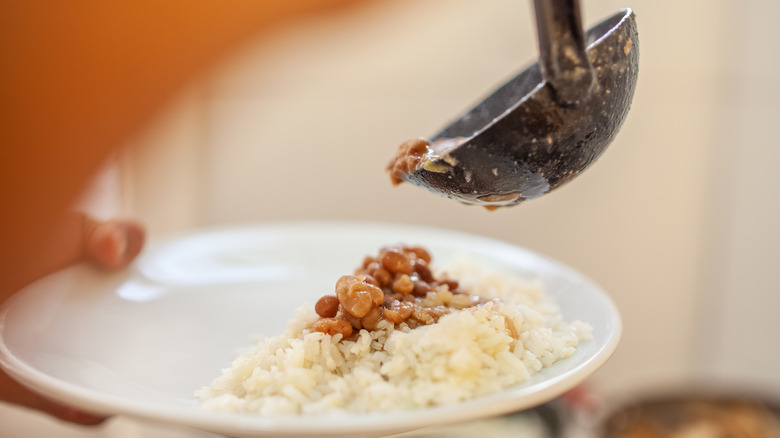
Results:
671 220
675 220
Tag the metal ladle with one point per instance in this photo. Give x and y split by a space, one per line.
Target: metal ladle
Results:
546 125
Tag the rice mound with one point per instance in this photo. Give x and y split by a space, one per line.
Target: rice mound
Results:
468 353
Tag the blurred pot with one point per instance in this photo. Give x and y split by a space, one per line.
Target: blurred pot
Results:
694 413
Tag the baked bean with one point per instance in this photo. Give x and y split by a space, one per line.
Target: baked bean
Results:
371 320
421 254
371 280
376 293
382 276
399 312
343 284
357 304
403 284
396 262
423 271
406 160
332 326
354 295
354 322
392 316
451 284
421 288
327 306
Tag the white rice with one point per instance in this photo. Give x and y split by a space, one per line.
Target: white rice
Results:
466 354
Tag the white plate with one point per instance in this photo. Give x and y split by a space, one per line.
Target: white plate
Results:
140 342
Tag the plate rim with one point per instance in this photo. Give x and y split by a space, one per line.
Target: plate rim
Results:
249 425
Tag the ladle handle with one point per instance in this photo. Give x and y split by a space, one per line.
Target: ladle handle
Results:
562 56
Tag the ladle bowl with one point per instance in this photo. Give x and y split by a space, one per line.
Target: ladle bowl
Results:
547 124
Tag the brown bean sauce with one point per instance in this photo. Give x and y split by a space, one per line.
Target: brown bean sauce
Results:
398 286
419 153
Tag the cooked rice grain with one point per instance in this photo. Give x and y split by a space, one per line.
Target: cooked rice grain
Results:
468 353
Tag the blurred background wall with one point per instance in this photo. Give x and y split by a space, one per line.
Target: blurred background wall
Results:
677 220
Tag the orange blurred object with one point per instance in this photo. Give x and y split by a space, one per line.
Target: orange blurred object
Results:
79 78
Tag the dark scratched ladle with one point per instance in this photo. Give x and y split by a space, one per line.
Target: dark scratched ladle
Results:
549 123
